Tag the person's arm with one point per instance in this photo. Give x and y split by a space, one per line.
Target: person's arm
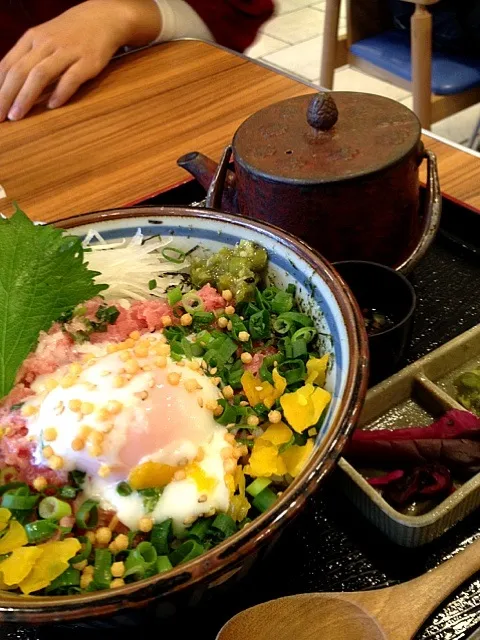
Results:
233 23
73 48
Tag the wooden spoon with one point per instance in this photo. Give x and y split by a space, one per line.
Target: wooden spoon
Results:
394 613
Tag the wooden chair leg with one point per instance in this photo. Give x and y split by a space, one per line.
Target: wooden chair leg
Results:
421 33
329 49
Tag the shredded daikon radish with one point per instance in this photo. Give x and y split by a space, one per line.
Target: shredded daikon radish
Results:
130 264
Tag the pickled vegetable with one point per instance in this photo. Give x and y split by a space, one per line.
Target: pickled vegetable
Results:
238 270
468 390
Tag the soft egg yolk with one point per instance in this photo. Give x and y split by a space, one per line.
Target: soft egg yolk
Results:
170 414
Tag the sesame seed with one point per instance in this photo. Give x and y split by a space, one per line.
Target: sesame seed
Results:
106 428
86 408
132 366
50 434
105 373
145 524
29 410
74 405
222 322
68 381
228 392
189 520
226 452
103 414
160 362
229 325
104 471
186 320
191 384
203 498
229 437
96 437
229 310
173 379
274 416
135 335
179 475
166 321
243 403
200 401
143 395
51 384
213 370
125 356
114 406
194 365
40 483
227 295
141 350
78 444
162 349
211 405
95 450
244 336
80 565
47 452
55 462
252 421
118 382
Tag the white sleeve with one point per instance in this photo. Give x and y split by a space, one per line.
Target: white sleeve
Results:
179 20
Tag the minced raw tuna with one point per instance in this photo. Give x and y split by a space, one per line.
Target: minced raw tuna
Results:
258 358
211 299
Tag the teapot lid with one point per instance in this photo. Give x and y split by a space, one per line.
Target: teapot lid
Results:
326 138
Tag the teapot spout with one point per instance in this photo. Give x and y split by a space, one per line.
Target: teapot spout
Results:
203 168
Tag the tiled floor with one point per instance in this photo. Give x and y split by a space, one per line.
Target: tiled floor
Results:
292 41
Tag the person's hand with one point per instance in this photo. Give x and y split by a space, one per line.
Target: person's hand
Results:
71 48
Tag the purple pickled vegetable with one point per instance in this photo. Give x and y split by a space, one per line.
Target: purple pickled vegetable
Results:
452 441
428 481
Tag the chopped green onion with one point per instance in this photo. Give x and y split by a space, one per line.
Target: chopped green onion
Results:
282 302
264 500
19 501
257 486
85 552
292 370
187 348
291 289
192 302
259 325
269 294
150 497
163 564
69 578
54 508
40 530
174 296
173 255
224 525
124 489
140 560
229 413
299 348
200 529
87 515
12 485
203 318
161 536
305 333
152 284
185 552
102 574
282 325
297 318
235 374
286 445
268 364
77 477
67 492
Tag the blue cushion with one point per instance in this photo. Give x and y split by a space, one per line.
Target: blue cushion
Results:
390 51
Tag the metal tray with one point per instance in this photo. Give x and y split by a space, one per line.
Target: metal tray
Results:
417 395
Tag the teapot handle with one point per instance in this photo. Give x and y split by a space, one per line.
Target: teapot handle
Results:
217 185
431 217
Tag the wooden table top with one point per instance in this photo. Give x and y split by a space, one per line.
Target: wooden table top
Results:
118 141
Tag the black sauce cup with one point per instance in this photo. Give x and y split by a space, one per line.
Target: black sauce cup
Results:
388 292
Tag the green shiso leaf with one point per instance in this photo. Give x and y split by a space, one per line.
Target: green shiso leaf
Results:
42 275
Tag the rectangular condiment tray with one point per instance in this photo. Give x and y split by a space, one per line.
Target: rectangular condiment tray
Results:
417 395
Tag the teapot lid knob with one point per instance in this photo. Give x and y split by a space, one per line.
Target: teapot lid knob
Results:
322 112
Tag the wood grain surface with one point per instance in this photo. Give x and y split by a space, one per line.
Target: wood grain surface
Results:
117 142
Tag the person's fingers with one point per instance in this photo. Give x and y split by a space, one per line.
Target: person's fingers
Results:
15 78
21 48
42 74
71 80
